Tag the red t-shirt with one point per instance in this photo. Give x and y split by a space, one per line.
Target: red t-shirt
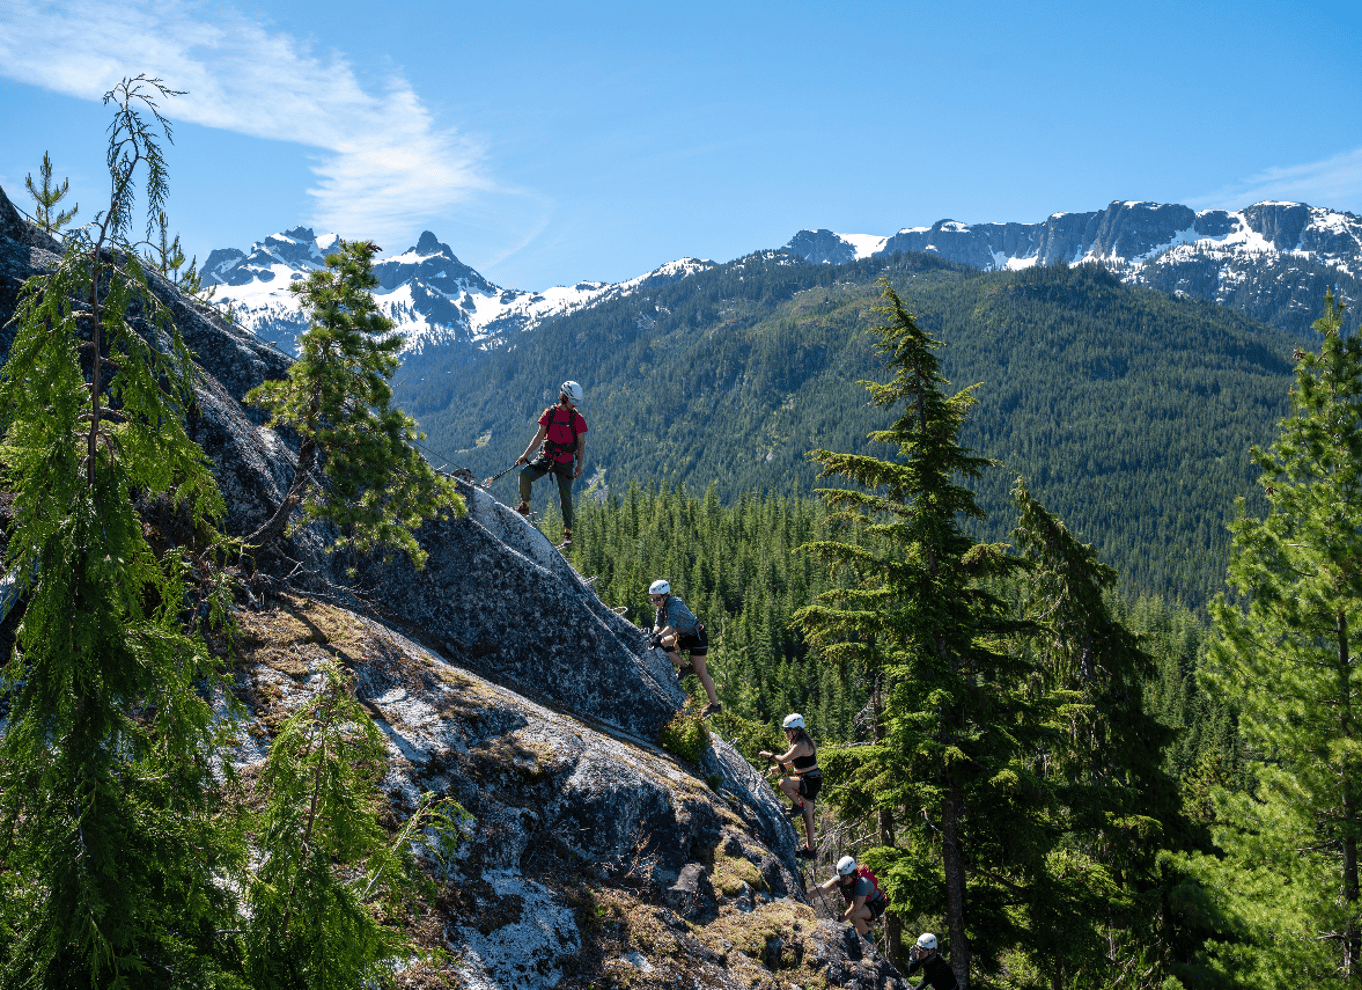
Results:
560 429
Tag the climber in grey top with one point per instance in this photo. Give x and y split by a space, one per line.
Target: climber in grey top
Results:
676 628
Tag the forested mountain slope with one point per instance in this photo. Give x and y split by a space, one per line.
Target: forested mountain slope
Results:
1129 412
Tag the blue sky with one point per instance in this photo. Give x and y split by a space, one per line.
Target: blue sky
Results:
548 143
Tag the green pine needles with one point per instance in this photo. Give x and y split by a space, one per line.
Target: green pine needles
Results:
114 842
1011 773
166 257
49 214
919 620
332 876
1285 890
357 469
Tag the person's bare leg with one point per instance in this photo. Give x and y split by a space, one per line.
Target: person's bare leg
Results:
860 918
702 672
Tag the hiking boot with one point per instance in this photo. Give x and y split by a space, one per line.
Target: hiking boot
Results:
712 709
567 537
684 671
523 508
795 811
808 852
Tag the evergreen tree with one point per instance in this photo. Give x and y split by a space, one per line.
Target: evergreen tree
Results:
930 637
114 847
330 876
49 215
166 257
1091 893
356 467
1286 886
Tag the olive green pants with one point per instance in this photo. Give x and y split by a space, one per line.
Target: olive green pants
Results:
531 474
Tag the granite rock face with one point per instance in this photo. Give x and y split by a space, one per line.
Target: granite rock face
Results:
821 247
589 855
495 597
500 680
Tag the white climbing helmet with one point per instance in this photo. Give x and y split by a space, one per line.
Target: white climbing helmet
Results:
573 391
659 587
926 941
846 866
794 720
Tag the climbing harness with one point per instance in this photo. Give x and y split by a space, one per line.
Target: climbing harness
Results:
547 458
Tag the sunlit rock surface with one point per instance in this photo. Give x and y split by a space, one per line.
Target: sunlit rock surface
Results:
592 858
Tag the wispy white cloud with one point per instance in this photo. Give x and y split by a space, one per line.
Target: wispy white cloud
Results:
385 163
1334 182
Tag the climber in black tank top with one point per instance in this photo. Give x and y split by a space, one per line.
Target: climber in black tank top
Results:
803 780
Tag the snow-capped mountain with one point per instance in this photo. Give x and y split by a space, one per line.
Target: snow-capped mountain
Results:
1271 261
432 297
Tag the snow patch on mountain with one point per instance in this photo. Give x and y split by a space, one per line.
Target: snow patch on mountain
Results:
1157 244
1216 255
864 245
1128 233
432 297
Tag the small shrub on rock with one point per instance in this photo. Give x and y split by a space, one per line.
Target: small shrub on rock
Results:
686 736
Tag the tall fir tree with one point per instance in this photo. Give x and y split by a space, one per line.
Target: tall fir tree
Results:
1285 881
357 468
108 799
1091 892
931 638
49 214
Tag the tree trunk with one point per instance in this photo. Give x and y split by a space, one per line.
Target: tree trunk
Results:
954 866
893 928
276 524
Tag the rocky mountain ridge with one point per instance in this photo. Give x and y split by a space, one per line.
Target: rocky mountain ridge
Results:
434 300
593 857
1271 260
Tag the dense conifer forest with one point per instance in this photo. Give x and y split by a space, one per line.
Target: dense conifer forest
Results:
1128 411
1155 790
737 567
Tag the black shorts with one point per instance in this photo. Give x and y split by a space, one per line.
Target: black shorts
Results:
810 785
696 643
877 907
